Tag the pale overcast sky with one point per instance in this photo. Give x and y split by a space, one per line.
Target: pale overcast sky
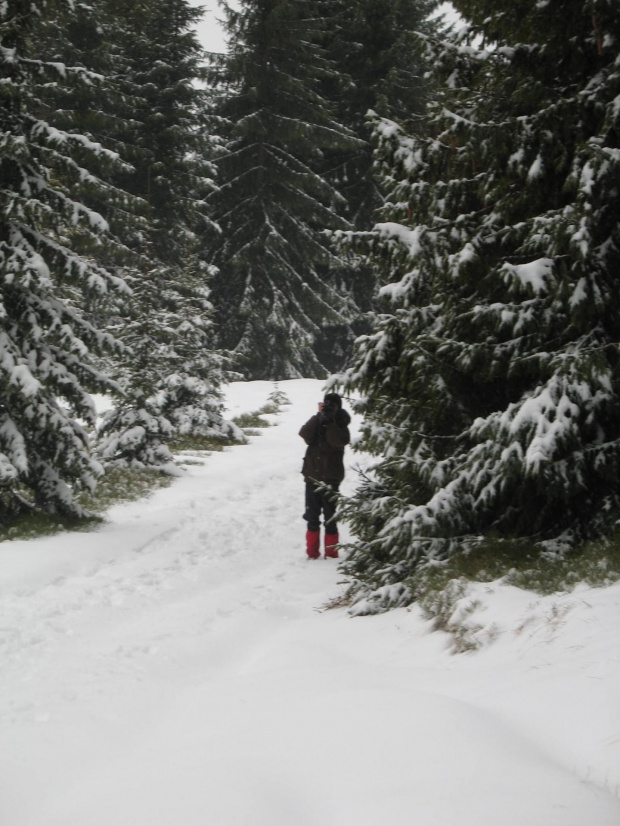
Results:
210 32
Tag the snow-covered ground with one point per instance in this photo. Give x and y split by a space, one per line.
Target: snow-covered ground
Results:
175 668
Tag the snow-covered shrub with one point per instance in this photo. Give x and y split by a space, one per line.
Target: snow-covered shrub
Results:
136 437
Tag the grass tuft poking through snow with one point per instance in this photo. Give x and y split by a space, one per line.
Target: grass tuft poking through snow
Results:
248 422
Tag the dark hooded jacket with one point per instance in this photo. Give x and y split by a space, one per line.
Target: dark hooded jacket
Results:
324 459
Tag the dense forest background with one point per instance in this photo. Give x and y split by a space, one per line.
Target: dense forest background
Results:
431 216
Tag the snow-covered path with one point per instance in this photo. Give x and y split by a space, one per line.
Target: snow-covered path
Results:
175 668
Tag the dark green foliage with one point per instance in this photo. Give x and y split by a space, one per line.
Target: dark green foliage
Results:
156 57
51 245
169 373
380 69
277 284
80 36
491 382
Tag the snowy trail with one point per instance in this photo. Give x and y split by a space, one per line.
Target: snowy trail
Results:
174 667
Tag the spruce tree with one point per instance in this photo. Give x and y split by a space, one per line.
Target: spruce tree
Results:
381 70
84 37
170 373
50 243
491 382
277 282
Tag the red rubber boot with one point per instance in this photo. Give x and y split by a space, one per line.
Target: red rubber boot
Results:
331 545
313 542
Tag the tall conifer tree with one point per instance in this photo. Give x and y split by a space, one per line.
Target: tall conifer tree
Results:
146 105
49 246
277 285
381 69
170 374
492 383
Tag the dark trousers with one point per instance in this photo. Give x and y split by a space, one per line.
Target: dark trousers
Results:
319 499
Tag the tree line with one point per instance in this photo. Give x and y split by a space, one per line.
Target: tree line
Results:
164 217
354 188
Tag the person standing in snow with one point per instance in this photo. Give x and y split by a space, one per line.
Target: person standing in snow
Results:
326 435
